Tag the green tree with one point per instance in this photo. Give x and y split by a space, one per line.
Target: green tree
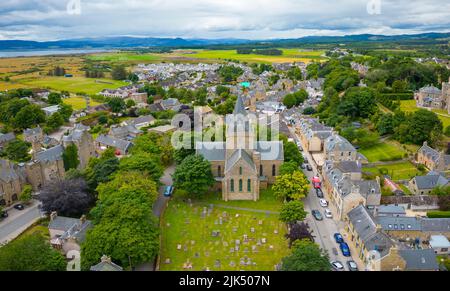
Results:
100 170
119 73
54 122
28 116
288 168
27 194
70 157
293 186
54 98
17 151
292 153
306 256
143 162
66 111
194 175
420 126
293 211
130 103
117 104
358 102
289 101
31 253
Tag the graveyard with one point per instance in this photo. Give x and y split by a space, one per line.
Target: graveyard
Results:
199 235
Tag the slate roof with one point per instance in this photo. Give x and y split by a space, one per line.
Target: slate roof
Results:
414 224
111 141
6 137
72 227
420 260
430 90
239 107
140 120
338 143
106 266
51 155
236 156
7 171
211 151
349 167
390 210
430 181
32 131
366 228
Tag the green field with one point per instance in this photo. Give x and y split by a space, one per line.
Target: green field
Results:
398 171
289 55
187 237
383 152
122 57
79 103
73 85
410 106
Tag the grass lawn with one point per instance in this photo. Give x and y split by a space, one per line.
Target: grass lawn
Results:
289 55
383 152
184 226
410 106
73 85
125 57
398 171
40 227
79 103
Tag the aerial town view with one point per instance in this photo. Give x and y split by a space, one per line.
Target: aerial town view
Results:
199 136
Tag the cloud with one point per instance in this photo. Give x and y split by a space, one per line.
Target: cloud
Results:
254 19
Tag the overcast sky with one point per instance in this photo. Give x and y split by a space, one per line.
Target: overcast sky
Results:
250 19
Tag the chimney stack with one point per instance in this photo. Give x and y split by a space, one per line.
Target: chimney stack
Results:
53 215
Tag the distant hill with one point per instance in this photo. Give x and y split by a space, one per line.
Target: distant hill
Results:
136 42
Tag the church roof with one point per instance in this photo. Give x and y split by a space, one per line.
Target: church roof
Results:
236 156
239 108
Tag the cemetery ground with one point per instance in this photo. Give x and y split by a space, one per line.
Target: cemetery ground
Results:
211 234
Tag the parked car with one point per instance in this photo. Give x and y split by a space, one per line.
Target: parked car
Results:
337 266
305 160
352 266
19 207
302 166
317 215
168 192
3 215
345 249
338 238
328 213
319 193
309 168
323 203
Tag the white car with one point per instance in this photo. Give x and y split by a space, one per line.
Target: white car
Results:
337 266
323 203
328 213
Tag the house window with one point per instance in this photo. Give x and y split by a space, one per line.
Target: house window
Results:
219 171
240 170
261 172
274 170
402 226
232 185
2 202
240 185
409 226
390 225
395 226
14 197
349 153
342 154
249 185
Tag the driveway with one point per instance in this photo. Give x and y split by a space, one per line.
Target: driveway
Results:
161 202
18 221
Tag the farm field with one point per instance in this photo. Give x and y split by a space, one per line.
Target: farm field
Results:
73 85
289 55
397 171
79 103
204 235
410 106
127 57
383 152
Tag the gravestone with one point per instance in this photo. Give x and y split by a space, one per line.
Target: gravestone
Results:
237 242
206 254
236 248
232 250
275 231
185 248
225 244
232 264
167 261
263 240
245 238
220 220
217 264
178 247
254 249
215 233
252 230
271 247
192 242
168 224
234 229
196 255
260 222
245 250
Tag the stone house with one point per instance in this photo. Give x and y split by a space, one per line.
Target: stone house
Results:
241 165
346 188
412 228
423 185
103 142
106 265
440 244
338 149
67 234
313 134
140 122
126 132
84 141
46 166
11 182
6 138
431 97
433 159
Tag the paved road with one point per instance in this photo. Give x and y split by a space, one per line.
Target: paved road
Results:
323 230
158 208
18 222
161 202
